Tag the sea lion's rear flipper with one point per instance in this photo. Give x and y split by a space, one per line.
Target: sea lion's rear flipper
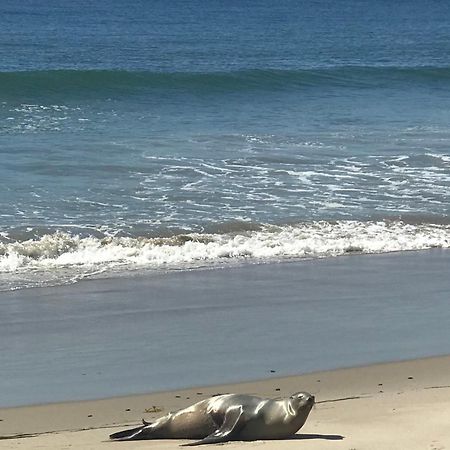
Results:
230 427
142 432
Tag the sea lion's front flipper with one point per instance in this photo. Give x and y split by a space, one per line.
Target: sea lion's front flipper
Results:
231 425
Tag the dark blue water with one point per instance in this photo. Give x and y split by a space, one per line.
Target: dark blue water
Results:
177 134
219 35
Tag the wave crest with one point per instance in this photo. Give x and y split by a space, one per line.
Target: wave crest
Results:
77 256
111 82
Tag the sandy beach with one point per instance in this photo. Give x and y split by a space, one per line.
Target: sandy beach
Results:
401 405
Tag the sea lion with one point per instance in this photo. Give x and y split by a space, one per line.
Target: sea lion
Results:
228 417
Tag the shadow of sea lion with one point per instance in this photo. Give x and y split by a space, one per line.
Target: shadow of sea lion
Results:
327 437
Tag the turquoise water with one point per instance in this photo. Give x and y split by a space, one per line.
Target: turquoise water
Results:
168 135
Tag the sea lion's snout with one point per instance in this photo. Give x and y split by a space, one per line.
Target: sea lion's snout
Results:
309 400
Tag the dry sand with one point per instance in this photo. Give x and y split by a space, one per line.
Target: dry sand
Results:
401 405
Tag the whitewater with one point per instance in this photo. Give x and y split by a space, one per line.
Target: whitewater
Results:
62 258
174 136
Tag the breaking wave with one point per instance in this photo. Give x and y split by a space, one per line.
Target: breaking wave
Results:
63 257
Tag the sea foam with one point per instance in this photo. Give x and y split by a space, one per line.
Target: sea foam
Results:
77 256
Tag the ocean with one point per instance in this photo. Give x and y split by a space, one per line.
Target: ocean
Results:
164 136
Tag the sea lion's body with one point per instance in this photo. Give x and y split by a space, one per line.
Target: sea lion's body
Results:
229 417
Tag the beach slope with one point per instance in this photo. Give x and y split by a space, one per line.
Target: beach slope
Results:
401 405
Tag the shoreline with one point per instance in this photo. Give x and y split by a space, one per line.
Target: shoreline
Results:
105 338
351 404
257 381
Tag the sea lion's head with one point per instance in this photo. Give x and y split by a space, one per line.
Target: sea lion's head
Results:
302 401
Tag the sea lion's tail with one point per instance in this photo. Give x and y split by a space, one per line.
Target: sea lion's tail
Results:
141 432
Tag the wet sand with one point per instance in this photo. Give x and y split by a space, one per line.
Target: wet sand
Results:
104 338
